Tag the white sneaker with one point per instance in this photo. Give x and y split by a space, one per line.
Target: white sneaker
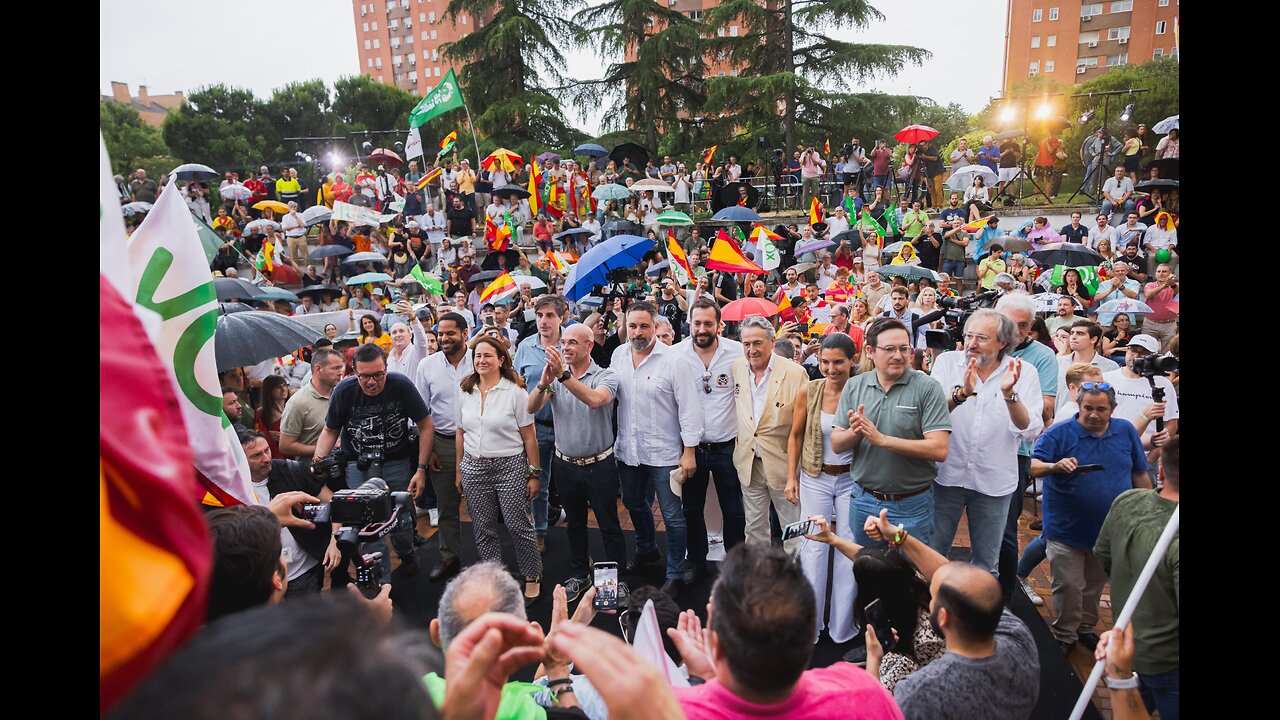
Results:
1032 595
433 516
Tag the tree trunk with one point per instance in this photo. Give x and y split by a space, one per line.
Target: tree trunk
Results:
789 64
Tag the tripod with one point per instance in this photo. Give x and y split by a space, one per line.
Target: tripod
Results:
1021 175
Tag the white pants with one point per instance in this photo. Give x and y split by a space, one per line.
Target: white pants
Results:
826 495
755 503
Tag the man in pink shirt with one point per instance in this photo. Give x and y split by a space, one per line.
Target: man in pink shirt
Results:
812 166
754 655
1162 322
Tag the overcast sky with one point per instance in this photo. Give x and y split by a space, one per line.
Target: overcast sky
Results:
263 45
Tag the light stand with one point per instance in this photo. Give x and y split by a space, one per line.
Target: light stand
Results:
1101 167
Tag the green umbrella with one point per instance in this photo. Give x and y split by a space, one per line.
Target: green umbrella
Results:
674 217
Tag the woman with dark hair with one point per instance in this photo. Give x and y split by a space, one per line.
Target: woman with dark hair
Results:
448 255
371 332
1073 286
977 198
497 451
818 480
453 283
271 400
1117 337
1040 333
884 574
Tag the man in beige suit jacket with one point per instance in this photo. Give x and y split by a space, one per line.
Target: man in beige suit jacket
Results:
764 387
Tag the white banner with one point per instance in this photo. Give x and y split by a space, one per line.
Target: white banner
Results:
355 214
413 146
317 321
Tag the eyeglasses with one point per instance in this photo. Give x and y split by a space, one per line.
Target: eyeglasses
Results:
895 349
975 336
706 383
372 376
1104 387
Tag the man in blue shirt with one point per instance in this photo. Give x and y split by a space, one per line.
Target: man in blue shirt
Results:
988 234
550 312
989 155
1019 308
1076 503
953 210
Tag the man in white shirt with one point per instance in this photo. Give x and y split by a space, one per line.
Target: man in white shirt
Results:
1134 401
592 224
995 403
659 428
837 223
295 233
432 221
791 288
1102 230
1083 342
408 346
307 306
437 378
1117 192
733 170
710 358
1131 230
1117 286
684 189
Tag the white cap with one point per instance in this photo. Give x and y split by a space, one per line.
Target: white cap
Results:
378 291
411 224
1146 342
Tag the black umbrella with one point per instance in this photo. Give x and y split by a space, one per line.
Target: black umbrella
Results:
633 152
1069 254
248 338
1168 168
325 251
490 261
360 199
194 171
235 289
233 307
728 195
853 237
484 275
1161 184
319 291
571 232
509 190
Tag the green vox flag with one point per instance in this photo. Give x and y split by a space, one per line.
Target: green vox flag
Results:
444 98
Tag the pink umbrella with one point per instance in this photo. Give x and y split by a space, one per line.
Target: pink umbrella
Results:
385 156
915 133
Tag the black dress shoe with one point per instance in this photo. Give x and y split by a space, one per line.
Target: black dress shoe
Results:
673 587
1089 640
857 655
409 566
640 561
1066 647
695 571
445 569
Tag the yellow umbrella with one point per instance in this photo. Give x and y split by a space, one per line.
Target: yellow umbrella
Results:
272 205
505 159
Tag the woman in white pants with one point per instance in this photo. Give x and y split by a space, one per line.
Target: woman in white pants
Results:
818 481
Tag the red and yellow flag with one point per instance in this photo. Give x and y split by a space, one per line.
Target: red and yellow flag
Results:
449 139
573 196
679 261
555 201
727 255
826 149
711 153
587 193
761 230
535 176
977 225
431 175
154 549
785 311
501 285
560 260
490 231
815 211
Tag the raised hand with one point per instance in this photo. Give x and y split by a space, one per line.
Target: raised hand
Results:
970 384
1011 377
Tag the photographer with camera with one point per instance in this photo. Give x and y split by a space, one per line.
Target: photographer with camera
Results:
308 553
1136 401
1162 323
372 412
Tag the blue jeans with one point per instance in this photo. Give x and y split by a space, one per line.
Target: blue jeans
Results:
1160 692
717 466
879 181
1009 544
1035 554
1109 207
639 485
915 513
397 474
954 268
546 450
987 518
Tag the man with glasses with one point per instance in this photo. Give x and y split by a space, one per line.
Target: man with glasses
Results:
895 419
710 359
1076 503
372 412
995 403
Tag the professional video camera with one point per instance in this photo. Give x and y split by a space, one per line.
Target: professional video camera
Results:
957 313
330 468
617 287
368 513
1151 367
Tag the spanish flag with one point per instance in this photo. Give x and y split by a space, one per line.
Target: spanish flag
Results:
501 285
978 224
431 175
490 231
587 194
826 149
785 311
815 211
558 261
711 153
727 255
448 143
534 177
679 261
760 230
555 201
499 236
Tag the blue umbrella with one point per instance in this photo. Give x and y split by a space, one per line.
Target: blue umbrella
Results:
590 150
737 213
593 268
611 191
370 277
571 231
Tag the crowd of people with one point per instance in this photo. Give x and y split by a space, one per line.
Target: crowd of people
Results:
867 404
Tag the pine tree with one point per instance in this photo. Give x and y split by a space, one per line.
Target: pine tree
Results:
662 85
787 65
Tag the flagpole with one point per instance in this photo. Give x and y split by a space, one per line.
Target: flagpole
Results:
472 126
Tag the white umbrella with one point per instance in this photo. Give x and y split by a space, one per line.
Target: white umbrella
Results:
651 184
235 191
963 177
1048 301
316 215
535 282
1164 126
261 226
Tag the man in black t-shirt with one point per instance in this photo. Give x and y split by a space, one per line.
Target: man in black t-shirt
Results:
672 305
460 219
373 411
725 287
928 246
1010 155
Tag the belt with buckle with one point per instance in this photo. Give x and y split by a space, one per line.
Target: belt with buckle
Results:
835 469
581 461
883 497
716 445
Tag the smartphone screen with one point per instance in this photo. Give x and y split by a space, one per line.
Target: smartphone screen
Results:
489 321
797 529
802 328
315 512
606 582
878 616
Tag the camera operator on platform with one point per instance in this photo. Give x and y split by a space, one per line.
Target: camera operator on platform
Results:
372 412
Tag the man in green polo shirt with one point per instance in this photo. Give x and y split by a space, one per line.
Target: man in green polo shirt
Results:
895 420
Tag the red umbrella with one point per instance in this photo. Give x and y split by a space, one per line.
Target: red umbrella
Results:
915 133
747 307
386 157
282 274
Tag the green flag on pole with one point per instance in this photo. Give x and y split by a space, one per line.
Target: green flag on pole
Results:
890 222
868 222
1088 276
430 282
447 96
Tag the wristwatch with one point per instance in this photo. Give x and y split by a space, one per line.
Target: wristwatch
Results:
566 375
422 466
1013 399
1128 683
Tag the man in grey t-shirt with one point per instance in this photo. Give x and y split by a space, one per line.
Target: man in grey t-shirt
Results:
991 669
